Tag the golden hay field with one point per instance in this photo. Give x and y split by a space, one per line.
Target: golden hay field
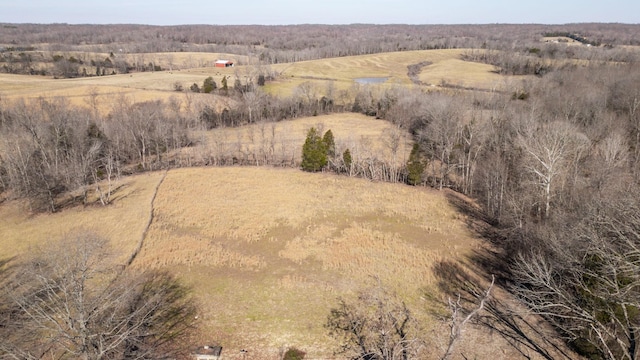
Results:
267 251
446 66
189 68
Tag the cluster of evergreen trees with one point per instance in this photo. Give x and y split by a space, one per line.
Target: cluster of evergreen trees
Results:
318 150
319 153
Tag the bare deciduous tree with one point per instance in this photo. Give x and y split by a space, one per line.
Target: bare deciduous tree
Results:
551 148
586 281
71 301
376 326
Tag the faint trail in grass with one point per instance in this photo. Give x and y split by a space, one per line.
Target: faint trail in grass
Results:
148 225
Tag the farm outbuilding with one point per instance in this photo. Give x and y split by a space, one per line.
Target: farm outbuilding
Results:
224 63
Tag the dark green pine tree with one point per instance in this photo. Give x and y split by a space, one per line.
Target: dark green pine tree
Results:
329 144
415 166
223 82
346 158
209 85
314 152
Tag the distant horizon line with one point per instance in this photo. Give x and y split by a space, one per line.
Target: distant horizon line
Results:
320 24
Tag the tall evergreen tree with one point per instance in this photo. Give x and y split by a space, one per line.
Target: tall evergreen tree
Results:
314 152
346 158
330 144
209 85
415 166
223 82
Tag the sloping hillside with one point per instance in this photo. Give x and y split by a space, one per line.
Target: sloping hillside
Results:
268 251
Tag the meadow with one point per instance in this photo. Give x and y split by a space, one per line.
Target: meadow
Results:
281 142
268 251
186 69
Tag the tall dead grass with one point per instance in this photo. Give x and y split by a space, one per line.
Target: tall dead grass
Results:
121 223
271 248
267 250
280 143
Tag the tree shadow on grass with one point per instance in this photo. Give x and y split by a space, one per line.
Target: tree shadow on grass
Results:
468 281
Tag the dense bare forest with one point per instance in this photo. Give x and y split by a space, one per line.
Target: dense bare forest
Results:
553 159
277 44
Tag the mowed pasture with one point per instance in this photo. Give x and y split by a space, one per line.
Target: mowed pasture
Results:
445 67
137 87
189 68
182 69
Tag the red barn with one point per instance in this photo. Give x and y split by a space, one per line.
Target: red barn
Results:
224 63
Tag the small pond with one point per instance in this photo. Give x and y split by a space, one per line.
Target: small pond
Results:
371 80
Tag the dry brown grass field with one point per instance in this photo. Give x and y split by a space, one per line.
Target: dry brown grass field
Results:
186 69
121 223
268 251
138 87
189 68
446 66
281 142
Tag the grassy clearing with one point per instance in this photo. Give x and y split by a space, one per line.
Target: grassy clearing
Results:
189 68
269 250
266 250
121 223
446 66
145 86
281 142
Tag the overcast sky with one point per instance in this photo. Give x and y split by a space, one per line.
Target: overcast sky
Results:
175 12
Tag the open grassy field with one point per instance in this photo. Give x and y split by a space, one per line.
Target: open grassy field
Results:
189 68
281 142
445 66
268 251
121 223
138 87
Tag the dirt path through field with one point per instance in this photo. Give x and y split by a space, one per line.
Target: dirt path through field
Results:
149 221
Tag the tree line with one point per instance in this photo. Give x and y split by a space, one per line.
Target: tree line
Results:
554 163
278 44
